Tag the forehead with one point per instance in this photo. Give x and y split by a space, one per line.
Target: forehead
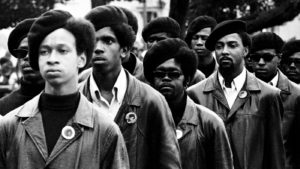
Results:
105 32
169 64
204 31
59 36
295 56
272 51
159 34
234 37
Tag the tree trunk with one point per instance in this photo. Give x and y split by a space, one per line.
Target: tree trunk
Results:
178 11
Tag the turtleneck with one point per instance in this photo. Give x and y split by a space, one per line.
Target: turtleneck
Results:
56 111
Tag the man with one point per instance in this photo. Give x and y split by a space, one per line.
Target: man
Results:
291 60
162 28
141 112
131 62
250 108
32 82
60 128
169 66
265 53
197 33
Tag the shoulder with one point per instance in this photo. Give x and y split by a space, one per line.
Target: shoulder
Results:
207 116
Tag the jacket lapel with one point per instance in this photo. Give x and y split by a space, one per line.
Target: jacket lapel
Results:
33 125
250 85
188 120
213 85
283 85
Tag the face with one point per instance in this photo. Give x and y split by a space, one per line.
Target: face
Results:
230 53
28 73
198 43
154 38
291 67
169 80
59 61
108 53
265 65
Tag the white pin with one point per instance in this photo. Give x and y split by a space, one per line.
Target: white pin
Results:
68 132
242 94
178 134
131 117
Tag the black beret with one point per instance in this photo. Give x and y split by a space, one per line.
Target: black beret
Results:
132 20
18 34
197 24
290 48
266 40
44 25
165 50
161 24
222 29
106 15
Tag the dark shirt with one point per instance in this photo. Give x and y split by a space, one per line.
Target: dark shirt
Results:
56 111
130 64
208 69
18 97
178 110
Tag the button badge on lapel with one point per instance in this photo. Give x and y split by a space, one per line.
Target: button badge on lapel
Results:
178 134
243 94
68 132
131 117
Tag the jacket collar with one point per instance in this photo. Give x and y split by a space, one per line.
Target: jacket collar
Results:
212 82
133 95
190 113
83 115
283 82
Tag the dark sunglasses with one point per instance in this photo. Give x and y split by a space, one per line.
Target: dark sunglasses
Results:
172 75
289 61
20 53
267 57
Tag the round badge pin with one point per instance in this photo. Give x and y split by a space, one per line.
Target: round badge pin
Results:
68 132
242 94
178 134
131 117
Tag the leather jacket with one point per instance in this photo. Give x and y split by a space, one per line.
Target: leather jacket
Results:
253 123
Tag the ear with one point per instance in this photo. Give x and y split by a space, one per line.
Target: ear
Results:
81 61
124 52
246 51
186 82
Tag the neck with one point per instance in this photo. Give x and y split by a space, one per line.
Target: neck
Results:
205 60
61 89
106 81
177 107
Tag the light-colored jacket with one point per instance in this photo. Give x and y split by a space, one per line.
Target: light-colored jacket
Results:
98 142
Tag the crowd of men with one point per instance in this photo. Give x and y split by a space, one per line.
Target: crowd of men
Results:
218 98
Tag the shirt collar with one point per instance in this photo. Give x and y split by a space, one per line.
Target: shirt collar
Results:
274 80
237 82
118 90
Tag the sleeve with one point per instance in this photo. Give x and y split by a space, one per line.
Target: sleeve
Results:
296 137
164 144
274 157
115 153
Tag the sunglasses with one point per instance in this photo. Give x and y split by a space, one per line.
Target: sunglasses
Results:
289 61
267 57
20 53
172 74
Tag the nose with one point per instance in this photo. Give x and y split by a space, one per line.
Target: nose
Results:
99 48
261 61
292 64
200 42
225 50
52 59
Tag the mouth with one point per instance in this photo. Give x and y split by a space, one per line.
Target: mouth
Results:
261 71
98 59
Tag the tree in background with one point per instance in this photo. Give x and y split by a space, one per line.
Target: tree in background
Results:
14 11
258 14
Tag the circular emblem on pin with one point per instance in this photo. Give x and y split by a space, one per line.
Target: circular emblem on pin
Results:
242 94
178 134
68 132
130 117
